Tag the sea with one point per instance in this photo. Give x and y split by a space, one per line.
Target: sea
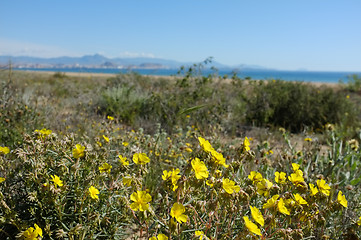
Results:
302 76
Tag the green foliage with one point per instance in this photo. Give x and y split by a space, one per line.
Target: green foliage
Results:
65 211
172 113
16 117
354 83
123 102
297 106
59 75
230 104
29 195
188 98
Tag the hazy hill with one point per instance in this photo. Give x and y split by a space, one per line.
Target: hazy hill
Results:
99 60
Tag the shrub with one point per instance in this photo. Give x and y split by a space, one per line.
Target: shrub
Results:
16 117
297 106
354 83
123 102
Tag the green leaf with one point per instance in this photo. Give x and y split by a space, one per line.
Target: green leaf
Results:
355 181
191 109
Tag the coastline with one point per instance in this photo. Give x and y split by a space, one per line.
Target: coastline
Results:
108 75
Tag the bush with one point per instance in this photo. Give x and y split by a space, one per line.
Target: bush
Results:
297 106
123 102
143 102
354 83
16 117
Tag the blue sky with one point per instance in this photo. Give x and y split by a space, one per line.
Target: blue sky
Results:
280 34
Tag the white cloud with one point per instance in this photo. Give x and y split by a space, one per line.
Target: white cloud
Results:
18 48
127 54
21 48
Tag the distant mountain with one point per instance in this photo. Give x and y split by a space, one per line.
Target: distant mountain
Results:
98 60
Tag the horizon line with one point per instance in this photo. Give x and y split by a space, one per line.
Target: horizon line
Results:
226 66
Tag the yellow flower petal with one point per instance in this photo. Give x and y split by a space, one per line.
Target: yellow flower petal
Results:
93 192
199 168
342 199
177 211
257 215
251 226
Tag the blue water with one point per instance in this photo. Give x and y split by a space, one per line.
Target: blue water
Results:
304 76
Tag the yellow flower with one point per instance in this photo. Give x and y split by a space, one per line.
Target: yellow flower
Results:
297 177
4 150
166 175
33 233
93 192
246 144
299 199
295 166
257 215
44 132
38 230
127 181
255 176
263 187
175 187
207 147
282 208
174 175
78 151
323 187
56 180
313 189
280 177
177 212
2 179
188 149
200 234
229 186
209 183
125 144
110 118
251 226
123 160
308 139
105 168
140 201
218 158
106 138
140 158
342 199
160 236
271 202
199 168
359 221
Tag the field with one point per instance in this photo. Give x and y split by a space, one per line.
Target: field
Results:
183 157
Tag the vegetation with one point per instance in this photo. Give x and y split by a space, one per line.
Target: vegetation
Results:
186 157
